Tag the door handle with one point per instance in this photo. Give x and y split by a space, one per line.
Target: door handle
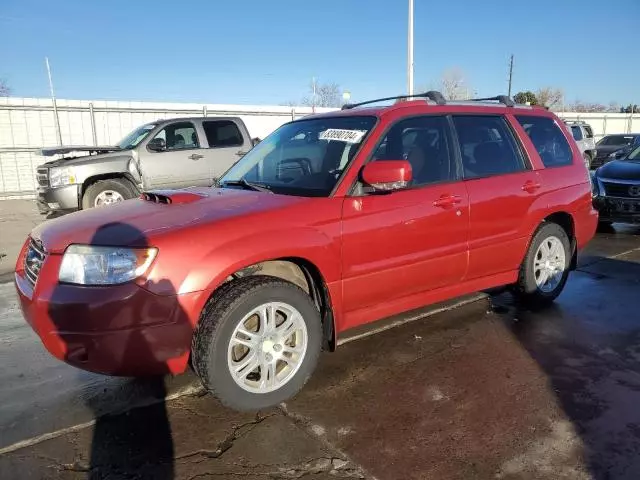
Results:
196 156
447 201
241 153
531 186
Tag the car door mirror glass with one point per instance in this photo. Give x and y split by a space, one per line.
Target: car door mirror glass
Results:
387 175
157 145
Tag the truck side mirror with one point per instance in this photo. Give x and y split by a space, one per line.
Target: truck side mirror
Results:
157 145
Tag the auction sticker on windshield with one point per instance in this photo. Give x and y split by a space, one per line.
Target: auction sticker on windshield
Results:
348 136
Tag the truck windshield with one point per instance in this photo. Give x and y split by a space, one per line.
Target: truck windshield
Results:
134 138
304 158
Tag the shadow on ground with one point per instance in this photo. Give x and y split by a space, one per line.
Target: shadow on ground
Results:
588 345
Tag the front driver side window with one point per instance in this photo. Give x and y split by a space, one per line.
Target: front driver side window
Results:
424 143
179 136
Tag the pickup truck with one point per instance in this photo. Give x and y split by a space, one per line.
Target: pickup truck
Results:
173 153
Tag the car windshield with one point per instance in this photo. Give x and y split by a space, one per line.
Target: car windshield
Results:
304 158
616 140
134 138
634 155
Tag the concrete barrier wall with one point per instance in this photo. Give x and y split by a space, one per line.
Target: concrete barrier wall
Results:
27 124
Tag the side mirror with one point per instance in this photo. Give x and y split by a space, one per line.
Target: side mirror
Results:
157 145
387 175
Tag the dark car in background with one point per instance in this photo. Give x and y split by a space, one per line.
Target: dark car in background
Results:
614 147
616 189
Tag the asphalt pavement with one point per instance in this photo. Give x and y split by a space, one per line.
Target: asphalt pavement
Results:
486 390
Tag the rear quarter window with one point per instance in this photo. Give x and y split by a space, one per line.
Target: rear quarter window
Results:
547 138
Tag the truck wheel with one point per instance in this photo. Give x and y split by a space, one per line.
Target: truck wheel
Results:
257 342
545 269
107 192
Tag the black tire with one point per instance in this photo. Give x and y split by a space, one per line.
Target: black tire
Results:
217 323
122 186
526 289
587 160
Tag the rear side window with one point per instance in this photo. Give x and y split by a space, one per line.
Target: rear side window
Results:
577 133
222 133
487 146
546 136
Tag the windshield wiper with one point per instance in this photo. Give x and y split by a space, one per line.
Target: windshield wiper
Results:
248 185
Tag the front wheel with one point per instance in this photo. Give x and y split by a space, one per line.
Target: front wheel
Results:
545 269
107 192
257 342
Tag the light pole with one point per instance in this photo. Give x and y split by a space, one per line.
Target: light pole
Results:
410 51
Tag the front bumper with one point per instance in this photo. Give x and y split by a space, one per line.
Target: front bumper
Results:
617 210
58 199
120 330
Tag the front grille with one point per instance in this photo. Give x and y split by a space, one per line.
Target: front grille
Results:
42 177
623 190
33 261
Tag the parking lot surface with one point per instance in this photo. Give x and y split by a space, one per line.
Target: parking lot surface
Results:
486 390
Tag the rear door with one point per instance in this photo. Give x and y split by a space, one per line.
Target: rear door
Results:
227 141
410 241
181 164
502 187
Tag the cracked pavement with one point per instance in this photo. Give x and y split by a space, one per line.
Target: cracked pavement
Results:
487 390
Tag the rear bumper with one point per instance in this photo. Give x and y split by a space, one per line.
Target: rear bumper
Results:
120 330
58 199
586 224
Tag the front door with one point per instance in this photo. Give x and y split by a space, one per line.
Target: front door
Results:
502 188
182 162
409 241
226 145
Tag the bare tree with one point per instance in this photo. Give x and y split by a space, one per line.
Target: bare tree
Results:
613 107
579 106
5 91
550 97
326 95
453 85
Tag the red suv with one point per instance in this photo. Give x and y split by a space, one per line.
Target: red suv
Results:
331 222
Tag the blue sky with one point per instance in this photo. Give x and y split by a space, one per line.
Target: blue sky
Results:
265 52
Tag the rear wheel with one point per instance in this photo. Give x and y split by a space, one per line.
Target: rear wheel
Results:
587 160
257 342
545 269
107 192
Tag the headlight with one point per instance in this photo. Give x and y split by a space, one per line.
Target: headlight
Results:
616 154
59 176
89 265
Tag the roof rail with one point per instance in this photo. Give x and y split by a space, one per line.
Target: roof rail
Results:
504 99
431 95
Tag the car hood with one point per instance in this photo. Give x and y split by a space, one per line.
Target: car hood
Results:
620 170
139 221
88 159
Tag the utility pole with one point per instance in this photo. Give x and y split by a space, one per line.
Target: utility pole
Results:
55 107
410 51
313 101
510 74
